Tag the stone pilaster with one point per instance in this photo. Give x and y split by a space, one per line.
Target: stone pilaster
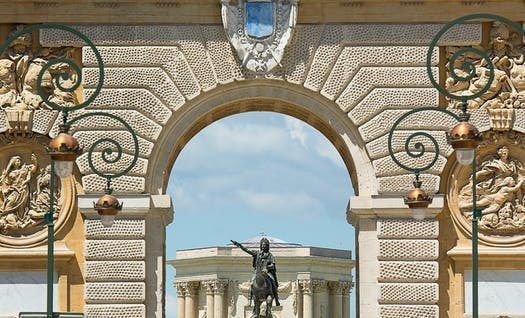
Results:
191 299
346 288
181 290
320 293
408 266
209 288
336 299
219 291
125 262
306 287
397 268
298 301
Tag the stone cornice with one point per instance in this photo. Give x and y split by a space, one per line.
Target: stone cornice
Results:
505 257
386 206
138 205
208 11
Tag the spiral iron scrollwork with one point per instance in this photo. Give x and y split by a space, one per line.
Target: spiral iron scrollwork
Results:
462 70
59 63
467 70
417 149
108 154
65 69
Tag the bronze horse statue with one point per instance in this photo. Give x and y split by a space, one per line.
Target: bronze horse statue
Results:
261 291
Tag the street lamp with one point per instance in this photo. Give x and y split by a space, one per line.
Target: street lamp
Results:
463 137
64 150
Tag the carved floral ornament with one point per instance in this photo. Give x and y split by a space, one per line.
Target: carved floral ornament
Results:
259 30
25 192
507 90
500 190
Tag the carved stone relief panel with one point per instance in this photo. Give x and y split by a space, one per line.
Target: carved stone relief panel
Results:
500 189
25 191
20 66
21 63
507 90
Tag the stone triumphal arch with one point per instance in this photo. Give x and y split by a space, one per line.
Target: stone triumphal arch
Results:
348 68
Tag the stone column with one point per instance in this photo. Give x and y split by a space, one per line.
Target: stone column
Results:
320 298
181 289
209 286
308 304
298 308
219 291
191 299
346 287
336 299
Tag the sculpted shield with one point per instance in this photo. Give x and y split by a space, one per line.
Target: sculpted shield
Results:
259 30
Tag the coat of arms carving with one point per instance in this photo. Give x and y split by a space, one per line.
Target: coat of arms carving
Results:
259 30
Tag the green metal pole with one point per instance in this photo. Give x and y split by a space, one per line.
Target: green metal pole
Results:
50 241
475 217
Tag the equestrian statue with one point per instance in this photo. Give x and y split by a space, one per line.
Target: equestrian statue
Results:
264 283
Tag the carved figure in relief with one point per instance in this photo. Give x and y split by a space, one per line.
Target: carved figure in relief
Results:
20 209
40 203
19 69
14 183
507 54
8 92
499 193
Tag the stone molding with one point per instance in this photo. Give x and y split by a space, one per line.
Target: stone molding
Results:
310 12
387 206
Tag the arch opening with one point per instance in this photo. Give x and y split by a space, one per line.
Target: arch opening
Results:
193 225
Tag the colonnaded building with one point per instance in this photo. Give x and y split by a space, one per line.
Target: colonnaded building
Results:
215 281
349 68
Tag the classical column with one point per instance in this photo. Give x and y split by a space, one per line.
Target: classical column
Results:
192 298
320 298
336 299
209 286
219 291
308 304
298 305
181 290
346 287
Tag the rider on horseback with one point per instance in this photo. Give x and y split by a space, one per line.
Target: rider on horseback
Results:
263 261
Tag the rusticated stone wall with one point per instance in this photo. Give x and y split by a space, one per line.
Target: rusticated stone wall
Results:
370 73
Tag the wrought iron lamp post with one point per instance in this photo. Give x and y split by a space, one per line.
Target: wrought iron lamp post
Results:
64 149
464 137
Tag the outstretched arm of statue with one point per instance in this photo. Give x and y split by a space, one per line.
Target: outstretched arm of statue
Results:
239 245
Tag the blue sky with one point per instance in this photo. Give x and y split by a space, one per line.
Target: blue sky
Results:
257 172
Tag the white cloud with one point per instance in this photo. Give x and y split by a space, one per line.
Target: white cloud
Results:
325 149
297 131
281 203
